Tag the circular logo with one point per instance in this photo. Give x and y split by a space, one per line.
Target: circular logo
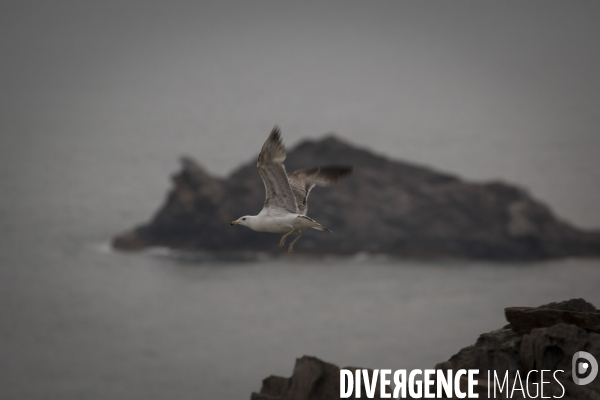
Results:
590 364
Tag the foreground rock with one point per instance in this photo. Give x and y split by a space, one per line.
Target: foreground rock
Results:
550 347
312 379
524 319
543 348
384 207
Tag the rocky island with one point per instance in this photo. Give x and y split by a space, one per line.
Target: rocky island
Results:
386 206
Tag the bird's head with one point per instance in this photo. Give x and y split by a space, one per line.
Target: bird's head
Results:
245 221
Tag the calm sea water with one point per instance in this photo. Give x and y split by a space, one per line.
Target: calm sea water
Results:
81 322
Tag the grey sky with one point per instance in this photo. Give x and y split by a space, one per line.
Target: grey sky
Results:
485 89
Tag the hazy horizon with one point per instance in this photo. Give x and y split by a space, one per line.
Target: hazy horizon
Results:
486 90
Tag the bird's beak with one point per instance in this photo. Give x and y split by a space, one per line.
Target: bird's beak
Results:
234 223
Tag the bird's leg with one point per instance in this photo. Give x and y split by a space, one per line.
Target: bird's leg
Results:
282 241
291 248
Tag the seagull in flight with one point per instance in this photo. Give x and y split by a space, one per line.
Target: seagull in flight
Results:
285 205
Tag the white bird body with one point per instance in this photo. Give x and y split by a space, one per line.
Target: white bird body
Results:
282 223
285 205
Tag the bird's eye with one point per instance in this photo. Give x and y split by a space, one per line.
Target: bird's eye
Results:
243 219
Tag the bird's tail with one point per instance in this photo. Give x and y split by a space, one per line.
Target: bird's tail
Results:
311 223
322 228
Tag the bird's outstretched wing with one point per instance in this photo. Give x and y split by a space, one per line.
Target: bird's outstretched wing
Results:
303 180
279 194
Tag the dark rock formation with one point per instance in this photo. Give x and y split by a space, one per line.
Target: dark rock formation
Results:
545 348
312 379
384 207
524 319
